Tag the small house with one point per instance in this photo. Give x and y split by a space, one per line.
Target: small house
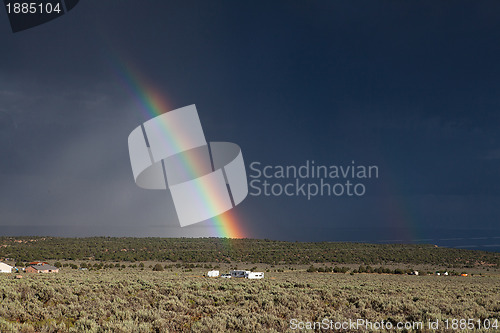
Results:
42 268
4 268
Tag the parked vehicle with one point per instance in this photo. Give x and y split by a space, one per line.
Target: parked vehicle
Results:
255 275
213 274
239 273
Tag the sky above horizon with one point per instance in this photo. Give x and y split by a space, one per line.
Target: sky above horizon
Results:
411 87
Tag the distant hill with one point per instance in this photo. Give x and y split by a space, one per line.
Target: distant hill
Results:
223 250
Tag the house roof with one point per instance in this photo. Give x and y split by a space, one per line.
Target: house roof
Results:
44 267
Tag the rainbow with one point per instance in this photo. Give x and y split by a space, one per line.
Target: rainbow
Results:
402 218
153 104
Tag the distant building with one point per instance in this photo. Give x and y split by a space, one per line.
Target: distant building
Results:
4 268
42 268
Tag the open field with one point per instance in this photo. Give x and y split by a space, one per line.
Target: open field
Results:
109 285
133 300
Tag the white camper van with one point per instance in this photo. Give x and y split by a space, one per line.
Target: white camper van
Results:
213 274
255 275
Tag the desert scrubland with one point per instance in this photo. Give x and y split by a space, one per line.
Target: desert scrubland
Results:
173 300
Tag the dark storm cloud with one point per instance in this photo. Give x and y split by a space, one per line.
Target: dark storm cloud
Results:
409 86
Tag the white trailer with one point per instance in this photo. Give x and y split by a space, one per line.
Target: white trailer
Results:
4 268
213 274
255 275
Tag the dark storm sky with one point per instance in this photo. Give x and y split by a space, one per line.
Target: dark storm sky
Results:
410 86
